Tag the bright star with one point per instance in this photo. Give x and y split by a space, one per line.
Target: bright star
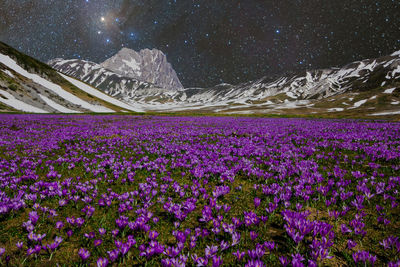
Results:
278 31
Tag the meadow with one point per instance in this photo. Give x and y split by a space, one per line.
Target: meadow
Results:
198 191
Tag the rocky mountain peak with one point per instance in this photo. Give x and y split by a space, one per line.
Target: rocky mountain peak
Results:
148 65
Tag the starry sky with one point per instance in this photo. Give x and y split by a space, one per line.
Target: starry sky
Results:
207 41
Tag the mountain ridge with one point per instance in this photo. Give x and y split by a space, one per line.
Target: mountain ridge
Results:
370 87
269 94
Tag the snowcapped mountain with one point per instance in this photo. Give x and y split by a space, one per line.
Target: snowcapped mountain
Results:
31 86
146 65
126 74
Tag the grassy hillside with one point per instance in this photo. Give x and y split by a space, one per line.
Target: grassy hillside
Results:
34 66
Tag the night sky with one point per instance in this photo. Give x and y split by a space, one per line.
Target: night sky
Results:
209 41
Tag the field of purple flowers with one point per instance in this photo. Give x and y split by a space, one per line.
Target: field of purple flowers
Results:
198 191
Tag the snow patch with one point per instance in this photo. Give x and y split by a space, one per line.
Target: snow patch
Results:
57 106
389 91
397 53
392 74
291 95
386 113
359 103
17 104
8 73
371 66
134 65
335 109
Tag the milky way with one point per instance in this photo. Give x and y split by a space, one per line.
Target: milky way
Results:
209 41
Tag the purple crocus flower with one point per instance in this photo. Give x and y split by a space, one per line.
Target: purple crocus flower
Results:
90 235
58 239
71 220
253 235
69 233
62 202
131 240
102 231
210 251
166 262
239 255
297 259
19 244
345 229
59 225
37 249
312 263
115 232
52 246
394 264
97 242
364 256
255 263
125 248
118 243
202 261
153 235
269 245
30 251
351 244
80 221
235 238
113 255
256 253
33 217
216 261
224 245
102 262
84 254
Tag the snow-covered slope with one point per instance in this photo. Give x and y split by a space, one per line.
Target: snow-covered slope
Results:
30 86
92 91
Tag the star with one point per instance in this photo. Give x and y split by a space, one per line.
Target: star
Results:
207 41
